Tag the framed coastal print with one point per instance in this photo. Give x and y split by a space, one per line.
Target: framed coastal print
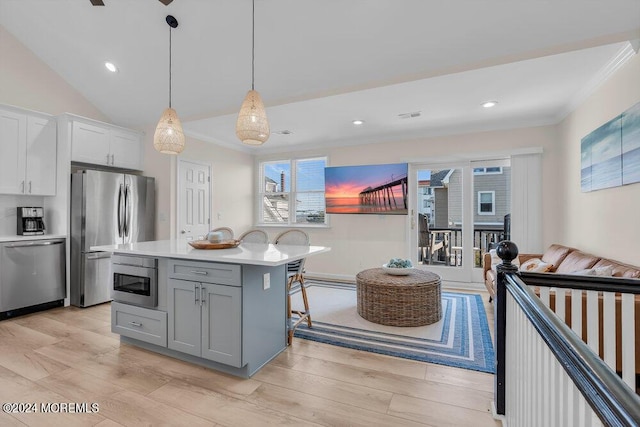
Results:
610 155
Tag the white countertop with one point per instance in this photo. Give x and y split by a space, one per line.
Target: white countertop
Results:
246 253
16 238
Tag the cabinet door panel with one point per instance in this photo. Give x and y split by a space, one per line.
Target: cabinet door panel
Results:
13 137
183 304
221 324
41 157
90 144
126 149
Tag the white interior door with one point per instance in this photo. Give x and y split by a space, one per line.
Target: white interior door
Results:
194 199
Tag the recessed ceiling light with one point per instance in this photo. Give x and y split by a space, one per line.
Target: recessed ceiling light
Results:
358 122
111 67
283 132
489 104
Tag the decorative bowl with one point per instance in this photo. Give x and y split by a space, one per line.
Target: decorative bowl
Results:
205 244
394 271
215 237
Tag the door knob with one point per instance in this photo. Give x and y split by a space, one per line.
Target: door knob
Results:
183 232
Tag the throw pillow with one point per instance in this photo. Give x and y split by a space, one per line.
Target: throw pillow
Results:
535 265
606 271
585 272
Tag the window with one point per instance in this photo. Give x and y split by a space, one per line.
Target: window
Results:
486 202
487 171
292 192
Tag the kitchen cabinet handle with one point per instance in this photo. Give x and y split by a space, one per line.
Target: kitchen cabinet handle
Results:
136 324
29 187
100 255
32 244
202 273
112 160
22 187
107 159
196 291
203 293
127 210
120 206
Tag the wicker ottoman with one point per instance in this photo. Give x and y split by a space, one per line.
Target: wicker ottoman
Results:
411 300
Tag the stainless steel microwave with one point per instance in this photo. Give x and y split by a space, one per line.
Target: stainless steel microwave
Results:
135 280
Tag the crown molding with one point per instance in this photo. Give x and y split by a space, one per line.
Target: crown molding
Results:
625 54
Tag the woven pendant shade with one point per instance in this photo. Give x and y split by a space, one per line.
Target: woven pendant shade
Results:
252 127
169 137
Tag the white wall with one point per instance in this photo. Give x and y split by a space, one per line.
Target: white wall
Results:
232 184
25 81
603 222
365 241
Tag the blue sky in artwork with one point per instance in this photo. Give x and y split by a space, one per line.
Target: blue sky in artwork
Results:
631 128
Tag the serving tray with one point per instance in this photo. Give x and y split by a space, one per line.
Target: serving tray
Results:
205 244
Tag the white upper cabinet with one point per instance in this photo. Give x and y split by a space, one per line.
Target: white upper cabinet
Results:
41 156
102 144
90 144
126 149
28 148
13 137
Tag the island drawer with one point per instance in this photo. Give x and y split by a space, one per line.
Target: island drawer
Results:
208 272
140 323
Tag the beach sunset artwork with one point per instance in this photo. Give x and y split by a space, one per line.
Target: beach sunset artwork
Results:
367 189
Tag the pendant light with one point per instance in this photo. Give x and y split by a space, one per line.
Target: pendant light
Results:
169 137
252 127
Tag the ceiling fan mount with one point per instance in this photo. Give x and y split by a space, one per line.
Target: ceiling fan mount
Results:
101 2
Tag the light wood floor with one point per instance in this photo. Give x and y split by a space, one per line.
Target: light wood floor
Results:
69 355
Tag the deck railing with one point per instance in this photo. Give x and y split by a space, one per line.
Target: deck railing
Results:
484 238
545 373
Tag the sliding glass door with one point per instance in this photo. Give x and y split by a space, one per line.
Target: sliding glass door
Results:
456 215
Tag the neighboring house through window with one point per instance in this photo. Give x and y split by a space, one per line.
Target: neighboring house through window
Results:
292 192
486 202
487 170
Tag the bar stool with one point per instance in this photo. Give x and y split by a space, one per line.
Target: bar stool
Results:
295 274
254 236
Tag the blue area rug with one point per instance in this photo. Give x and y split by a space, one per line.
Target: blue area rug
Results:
461 339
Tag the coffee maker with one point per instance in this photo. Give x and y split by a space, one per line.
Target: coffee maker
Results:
30 222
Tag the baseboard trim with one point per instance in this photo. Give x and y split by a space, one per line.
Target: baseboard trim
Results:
330 277
496 416
347 278
471 286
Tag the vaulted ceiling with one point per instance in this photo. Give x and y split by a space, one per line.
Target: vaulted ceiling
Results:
319 64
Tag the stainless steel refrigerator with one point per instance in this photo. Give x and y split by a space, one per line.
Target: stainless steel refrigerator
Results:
107 208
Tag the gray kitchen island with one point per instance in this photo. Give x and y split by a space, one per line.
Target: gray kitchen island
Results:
220 308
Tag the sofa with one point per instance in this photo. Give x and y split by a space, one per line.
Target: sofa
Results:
562 260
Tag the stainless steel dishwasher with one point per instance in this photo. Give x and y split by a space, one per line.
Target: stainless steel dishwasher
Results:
32 276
